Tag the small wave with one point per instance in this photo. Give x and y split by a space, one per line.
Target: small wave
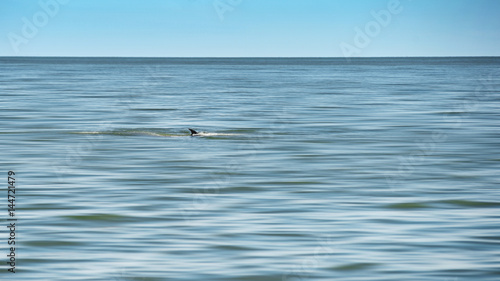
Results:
471 203
130 133
354 266
408 205
87 133
205 134
151 133
440 203
98 217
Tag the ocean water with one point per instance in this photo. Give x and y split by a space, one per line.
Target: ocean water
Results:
307 169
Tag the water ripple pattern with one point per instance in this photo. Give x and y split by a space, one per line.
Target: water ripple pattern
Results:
307 169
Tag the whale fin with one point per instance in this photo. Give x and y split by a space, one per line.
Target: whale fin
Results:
193 132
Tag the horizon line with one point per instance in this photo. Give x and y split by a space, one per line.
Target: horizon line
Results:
249 57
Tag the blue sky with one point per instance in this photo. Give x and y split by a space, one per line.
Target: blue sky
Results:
249 28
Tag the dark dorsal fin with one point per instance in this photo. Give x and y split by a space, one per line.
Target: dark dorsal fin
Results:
193 132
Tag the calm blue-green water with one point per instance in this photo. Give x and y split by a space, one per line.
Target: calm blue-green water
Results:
309 169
